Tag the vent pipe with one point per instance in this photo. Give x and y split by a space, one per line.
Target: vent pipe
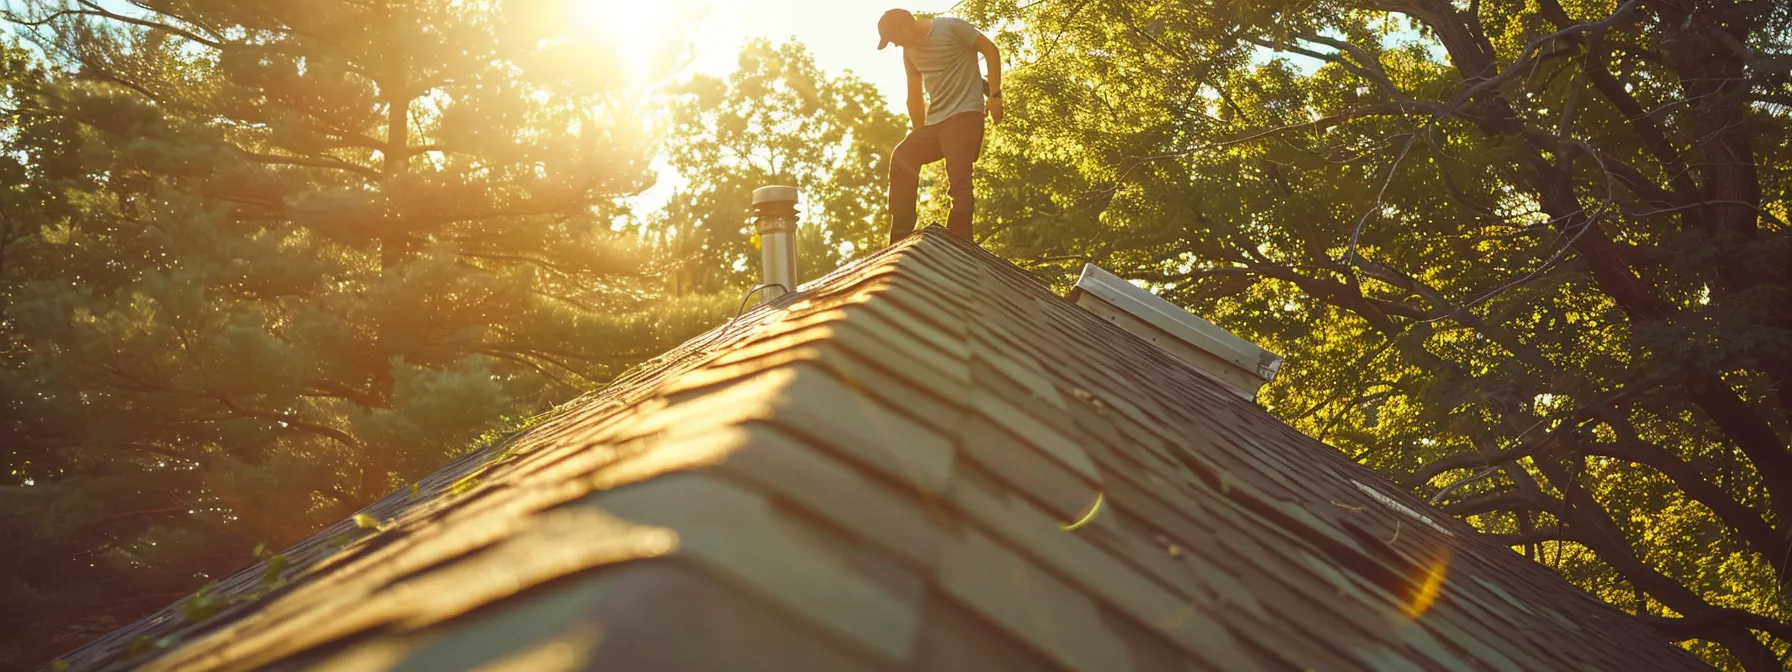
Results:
1236 363
774 209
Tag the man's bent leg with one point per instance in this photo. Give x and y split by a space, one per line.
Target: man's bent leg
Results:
961 140
920 148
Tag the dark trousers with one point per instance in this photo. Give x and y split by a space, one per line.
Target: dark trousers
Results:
958 140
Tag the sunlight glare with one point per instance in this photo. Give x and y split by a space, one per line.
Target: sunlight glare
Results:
1430 585
645 34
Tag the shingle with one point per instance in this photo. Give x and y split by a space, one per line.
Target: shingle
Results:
661 455
1018 367
1188 624
895 468
745 364
1022 382
899 330
927 298
660 616
1006 415
1158 559
848 362
917 313
957 640
733 532
737 401
525 629
1148 650
827 412
896 384
1052 618
907 525
546 548
1067 494
870 338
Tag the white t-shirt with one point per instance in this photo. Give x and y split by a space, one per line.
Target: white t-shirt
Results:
947 62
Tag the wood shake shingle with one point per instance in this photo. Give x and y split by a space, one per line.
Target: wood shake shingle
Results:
924 461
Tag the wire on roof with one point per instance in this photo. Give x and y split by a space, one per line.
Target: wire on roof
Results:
742 310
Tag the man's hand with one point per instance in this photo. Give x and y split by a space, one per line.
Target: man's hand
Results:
992 57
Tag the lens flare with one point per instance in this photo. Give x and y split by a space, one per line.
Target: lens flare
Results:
1094 508
1431 585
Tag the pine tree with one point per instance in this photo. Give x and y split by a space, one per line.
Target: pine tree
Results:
265 261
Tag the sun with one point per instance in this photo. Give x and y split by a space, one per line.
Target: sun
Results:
647 34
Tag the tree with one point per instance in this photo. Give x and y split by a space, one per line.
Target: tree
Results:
1529 258
777 120
265 262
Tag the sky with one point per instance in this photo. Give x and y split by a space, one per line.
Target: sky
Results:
842 34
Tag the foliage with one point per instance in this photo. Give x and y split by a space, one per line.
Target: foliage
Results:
777 120
262 263
1544 241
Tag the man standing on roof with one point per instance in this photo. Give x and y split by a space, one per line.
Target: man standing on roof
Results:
940 55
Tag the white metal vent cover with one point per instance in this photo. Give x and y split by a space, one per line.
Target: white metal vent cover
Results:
1176 322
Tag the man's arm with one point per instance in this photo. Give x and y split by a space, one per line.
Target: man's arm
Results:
917 101
992 55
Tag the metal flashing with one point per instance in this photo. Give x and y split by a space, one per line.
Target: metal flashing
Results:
1178 323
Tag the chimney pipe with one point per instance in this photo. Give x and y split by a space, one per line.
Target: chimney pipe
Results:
774 209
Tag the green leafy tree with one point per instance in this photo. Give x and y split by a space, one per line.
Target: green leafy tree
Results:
777 120
1529 258
265 261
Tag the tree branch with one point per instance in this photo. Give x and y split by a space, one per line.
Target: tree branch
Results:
1536 536
1505 501
1747 523
1505 339
96 10
1530 51
291 421
1532 448
312 162
1601 535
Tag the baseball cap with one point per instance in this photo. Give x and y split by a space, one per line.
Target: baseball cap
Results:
892 22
